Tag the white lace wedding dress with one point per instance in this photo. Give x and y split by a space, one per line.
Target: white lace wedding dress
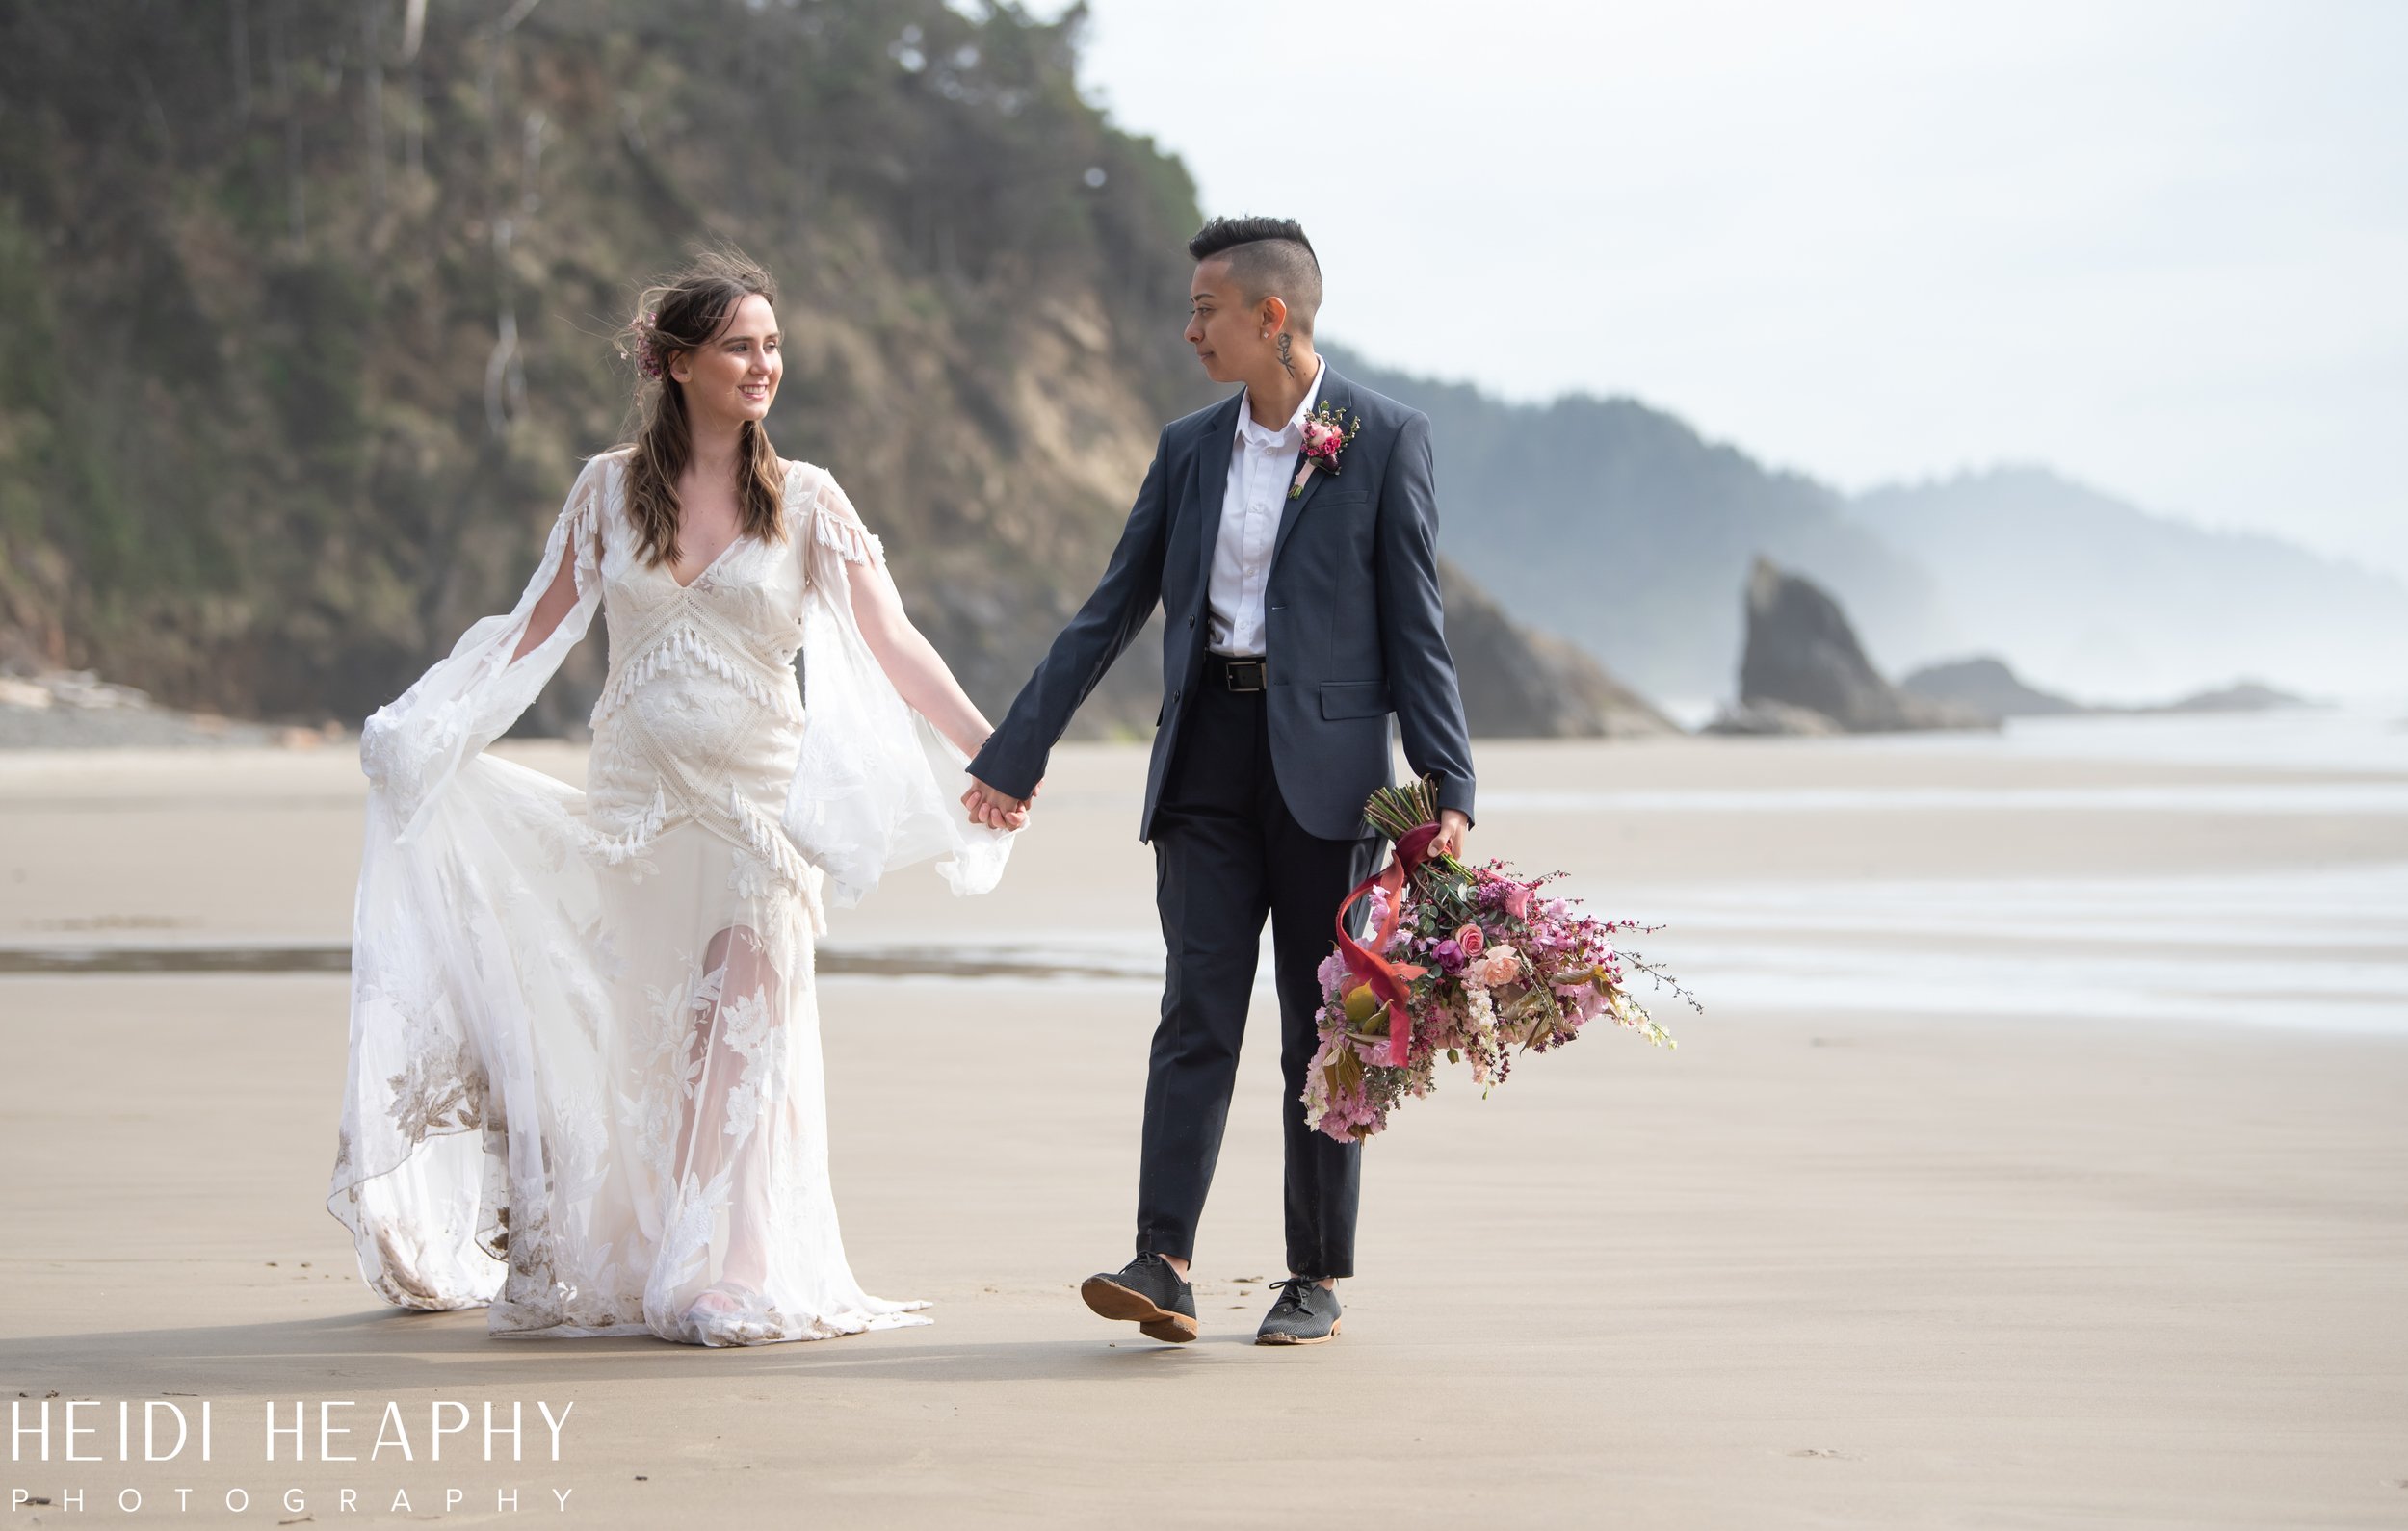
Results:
585 1076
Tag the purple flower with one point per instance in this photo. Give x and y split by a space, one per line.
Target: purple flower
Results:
1447 956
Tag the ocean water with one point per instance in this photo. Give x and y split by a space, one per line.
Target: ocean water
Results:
2360 737
2316 948
2362 734
2313 948
2324 949
2303 796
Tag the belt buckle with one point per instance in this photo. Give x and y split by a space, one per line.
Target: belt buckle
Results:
1256 669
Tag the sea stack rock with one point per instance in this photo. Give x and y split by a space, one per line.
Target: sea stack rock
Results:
1802 657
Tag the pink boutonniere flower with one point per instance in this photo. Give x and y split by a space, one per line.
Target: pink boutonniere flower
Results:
1327 433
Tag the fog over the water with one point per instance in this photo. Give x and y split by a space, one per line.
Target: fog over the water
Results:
2155 245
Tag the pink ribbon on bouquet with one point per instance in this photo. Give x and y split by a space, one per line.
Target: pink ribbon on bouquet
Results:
1384 978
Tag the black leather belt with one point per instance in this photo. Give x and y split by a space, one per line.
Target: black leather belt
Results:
1230 673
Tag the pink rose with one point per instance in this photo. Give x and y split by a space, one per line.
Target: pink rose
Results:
1469 941
1501 966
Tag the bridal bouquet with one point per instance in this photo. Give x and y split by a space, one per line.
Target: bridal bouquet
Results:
1474 963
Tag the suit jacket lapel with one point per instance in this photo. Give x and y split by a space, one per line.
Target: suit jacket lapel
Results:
1334 395
1212 488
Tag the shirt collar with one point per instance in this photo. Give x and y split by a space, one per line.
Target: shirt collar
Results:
1292 434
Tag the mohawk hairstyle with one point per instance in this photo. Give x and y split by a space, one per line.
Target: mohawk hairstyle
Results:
1269 257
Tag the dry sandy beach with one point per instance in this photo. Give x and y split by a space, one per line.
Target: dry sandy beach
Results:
2038 1162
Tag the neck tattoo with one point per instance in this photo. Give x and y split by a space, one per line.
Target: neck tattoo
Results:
1287 361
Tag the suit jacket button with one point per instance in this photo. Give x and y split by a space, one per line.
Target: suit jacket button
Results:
1190 619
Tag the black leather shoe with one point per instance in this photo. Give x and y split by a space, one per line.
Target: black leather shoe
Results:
1148 1292
1305 1315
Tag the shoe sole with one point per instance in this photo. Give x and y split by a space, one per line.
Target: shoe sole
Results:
1301 1339
1112 1300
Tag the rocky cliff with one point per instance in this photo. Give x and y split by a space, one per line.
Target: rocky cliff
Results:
311 300
1516 682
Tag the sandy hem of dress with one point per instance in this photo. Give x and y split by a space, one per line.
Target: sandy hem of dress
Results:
906 1318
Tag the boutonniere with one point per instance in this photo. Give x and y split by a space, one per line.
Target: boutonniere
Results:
1327 433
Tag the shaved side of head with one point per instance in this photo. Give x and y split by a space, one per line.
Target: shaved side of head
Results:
1269 257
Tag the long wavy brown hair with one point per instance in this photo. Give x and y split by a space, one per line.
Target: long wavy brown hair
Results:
686 311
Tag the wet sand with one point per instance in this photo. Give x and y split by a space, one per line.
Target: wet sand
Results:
1850 1265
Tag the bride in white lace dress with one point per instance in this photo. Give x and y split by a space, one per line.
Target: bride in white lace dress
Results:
585 1077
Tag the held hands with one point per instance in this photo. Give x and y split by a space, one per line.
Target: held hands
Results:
998 810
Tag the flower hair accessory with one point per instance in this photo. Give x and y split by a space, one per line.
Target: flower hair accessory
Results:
1327 433
649 345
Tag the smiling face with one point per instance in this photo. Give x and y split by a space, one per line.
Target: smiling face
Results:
1233 338
733 376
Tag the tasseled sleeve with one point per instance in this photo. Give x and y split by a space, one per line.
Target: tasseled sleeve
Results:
411 747
868 795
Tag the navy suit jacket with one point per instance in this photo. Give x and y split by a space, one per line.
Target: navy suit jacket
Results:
1354 631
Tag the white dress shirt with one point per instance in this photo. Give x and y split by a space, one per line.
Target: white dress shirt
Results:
1261 467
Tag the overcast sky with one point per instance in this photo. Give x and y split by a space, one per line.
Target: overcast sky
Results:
2163 247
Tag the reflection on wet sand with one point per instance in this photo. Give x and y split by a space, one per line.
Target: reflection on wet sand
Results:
889 962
